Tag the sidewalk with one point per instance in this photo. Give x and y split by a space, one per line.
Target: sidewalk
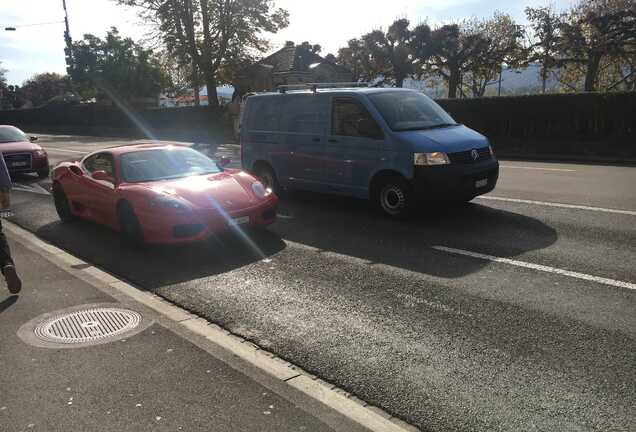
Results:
154 380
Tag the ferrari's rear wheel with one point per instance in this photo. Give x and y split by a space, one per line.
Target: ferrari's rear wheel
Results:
62 205
130 228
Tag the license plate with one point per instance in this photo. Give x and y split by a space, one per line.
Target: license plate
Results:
481 183
18 164
240 221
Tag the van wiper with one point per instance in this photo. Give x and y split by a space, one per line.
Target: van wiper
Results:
441 125
437 126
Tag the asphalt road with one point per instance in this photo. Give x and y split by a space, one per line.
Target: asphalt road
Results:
511 313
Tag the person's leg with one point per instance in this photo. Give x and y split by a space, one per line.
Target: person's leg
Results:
7 266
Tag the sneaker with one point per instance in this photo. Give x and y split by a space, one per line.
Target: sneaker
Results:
13 280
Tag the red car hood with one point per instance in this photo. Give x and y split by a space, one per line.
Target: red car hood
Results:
231 192
18 146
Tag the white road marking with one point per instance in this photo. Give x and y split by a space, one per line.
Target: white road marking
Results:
538 267
33 188
536 168
561 205
54 149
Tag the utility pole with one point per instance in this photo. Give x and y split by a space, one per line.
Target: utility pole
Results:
68 51
499 88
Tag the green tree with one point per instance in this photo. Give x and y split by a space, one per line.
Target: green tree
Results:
212 34
43 87
593 35
500 45
451 50
3 88
545 24
356 58
389 54
115 67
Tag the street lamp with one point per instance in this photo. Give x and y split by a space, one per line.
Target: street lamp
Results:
68 51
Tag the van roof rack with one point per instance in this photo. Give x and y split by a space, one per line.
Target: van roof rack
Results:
315 86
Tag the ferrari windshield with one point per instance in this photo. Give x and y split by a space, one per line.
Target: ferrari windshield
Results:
164 164
410 111
11 134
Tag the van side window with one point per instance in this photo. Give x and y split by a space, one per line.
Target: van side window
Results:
264 113
350 118
305 114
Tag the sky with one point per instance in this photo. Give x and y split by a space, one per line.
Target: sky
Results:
330 23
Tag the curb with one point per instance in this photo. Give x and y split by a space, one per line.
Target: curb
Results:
370 417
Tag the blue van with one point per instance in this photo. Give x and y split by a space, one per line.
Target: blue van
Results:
393 146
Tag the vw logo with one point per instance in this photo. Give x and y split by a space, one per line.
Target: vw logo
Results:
474 154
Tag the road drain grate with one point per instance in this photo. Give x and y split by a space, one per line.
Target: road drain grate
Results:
88 325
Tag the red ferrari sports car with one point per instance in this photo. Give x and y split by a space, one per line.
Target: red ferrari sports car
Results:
21 154
160 194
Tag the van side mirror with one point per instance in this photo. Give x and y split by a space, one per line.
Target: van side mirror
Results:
367 127
33 138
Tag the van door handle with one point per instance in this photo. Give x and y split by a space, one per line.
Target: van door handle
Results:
316 139
331 140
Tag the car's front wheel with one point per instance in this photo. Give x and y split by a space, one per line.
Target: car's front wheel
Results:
43 173
62 205
394 197
130 227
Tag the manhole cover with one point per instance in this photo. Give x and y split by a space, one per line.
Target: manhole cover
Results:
83 326
87 325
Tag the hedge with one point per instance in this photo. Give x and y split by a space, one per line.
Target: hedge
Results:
583 124
107 118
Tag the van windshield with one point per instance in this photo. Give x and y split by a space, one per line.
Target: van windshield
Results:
410 111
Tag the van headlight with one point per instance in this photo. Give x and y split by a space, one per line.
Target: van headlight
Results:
260 191
427 159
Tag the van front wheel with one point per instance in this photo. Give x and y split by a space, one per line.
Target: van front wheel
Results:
393 197
267 176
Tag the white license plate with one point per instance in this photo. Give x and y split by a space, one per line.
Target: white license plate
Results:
18 164
481 183
240 221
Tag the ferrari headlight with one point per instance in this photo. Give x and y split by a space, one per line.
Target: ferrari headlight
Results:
260 191
427 159
167 202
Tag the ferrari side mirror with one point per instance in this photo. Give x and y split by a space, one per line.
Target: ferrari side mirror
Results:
103 176
224 161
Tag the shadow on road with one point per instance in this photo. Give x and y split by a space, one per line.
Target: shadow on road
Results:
156 266
354 228
329 223
8 302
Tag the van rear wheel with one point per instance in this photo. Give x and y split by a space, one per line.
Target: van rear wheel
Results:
394 198
267 176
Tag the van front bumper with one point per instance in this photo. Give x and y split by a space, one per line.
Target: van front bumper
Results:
455 181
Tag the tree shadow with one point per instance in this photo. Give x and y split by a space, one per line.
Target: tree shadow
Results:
154 266
354 228
8 302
